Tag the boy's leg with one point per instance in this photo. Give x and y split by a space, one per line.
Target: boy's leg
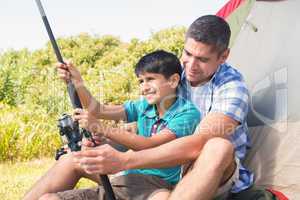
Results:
214 165
49 196
77 194
64 175
131 186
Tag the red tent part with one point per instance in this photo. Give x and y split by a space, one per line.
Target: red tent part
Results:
229 7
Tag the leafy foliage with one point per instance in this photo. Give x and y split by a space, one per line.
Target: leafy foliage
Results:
32 97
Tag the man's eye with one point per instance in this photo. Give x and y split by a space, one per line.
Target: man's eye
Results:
203 60
141 81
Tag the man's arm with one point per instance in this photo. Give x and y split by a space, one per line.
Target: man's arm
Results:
104 159
184 149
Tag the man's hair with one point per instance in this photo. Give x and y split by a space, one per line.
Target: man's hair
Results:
159 62
211 30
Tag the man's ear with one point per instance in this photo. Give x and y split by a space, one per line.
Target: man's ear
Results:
174 80
224 55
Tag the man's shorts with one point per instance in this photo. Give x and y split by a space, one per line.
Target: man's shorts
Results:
131 186
225 189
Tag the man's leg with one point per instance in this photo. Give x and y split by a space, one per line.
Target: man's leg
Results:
64 175
160 195
214 166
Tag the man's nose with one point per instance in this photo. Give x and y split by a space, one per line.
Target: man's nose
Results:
193 63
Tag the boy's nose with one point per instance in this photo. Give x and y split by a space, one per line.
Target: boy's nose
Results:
145 87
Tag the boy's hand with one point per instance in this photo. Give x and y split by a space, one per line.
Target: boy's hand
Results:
69 72
87 121
87 143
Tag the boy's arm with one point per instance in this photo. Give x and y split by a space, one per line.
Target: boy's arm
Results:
121 135
182 124
100 111
111 112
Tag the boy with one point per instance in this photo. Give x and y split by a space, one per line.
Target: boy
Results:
161 116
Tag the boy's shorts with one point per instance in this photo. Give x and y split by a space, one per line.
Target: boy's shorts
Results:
125 187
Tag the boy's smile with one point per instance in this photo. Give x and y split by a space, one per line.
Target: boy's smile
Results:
155 87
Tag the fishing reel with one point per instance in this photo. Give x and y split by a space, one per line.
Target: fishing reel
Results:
71 135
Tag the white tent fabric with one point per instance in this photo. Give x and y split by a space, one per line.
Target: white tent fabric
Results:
266 53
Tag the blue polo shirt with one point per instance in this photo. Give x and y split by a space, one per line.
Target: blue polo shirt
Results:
181 118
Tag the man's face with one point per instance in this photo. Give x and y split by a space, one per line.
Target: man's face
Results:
155 87
200 62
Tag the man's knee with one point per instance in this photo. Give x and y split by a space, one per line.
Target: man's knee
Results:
219 152
219 146
49 196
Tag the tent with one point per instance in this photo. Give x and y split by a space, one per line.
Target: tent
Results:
264 43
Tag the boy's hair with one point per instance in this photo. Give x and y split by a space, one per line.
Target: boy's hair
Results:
159 62
211 30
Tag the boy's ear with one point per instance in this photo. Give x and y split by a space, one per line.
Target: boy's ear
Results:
174 80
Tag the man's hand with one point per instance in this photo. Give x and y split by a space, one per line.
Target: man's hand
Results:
101 160
69 72
87 121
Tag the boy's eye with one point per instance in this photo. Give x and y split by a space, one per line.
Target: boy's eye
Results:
150 79
141 81
187 53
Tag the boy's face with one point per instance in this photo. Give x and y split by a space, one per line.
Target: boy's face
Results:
155 87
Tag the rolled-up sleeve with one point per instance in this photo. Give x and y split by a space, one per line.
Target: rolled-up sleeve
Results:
232 99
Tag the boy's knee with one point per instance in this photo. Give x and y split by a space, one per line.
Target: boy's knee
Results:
67 162
49 196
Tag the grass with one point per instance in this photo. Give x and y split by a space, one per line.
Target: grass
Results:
17 178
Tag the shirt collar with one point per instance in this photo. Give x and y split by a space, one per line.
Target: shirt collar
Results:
151 111
183 77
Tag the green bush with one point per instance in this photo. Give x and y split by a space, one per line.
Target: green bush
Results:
32 97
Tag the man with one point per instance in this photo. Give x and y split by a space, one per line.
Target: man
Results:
221 140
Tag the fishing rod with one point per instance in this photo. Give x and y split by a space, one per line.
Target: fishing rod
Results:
65 121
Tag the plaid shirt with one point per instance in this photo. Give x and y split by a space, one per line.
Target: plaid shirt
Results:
226 93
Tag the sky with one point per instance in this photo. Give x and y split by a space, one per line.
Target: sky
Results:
21 25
